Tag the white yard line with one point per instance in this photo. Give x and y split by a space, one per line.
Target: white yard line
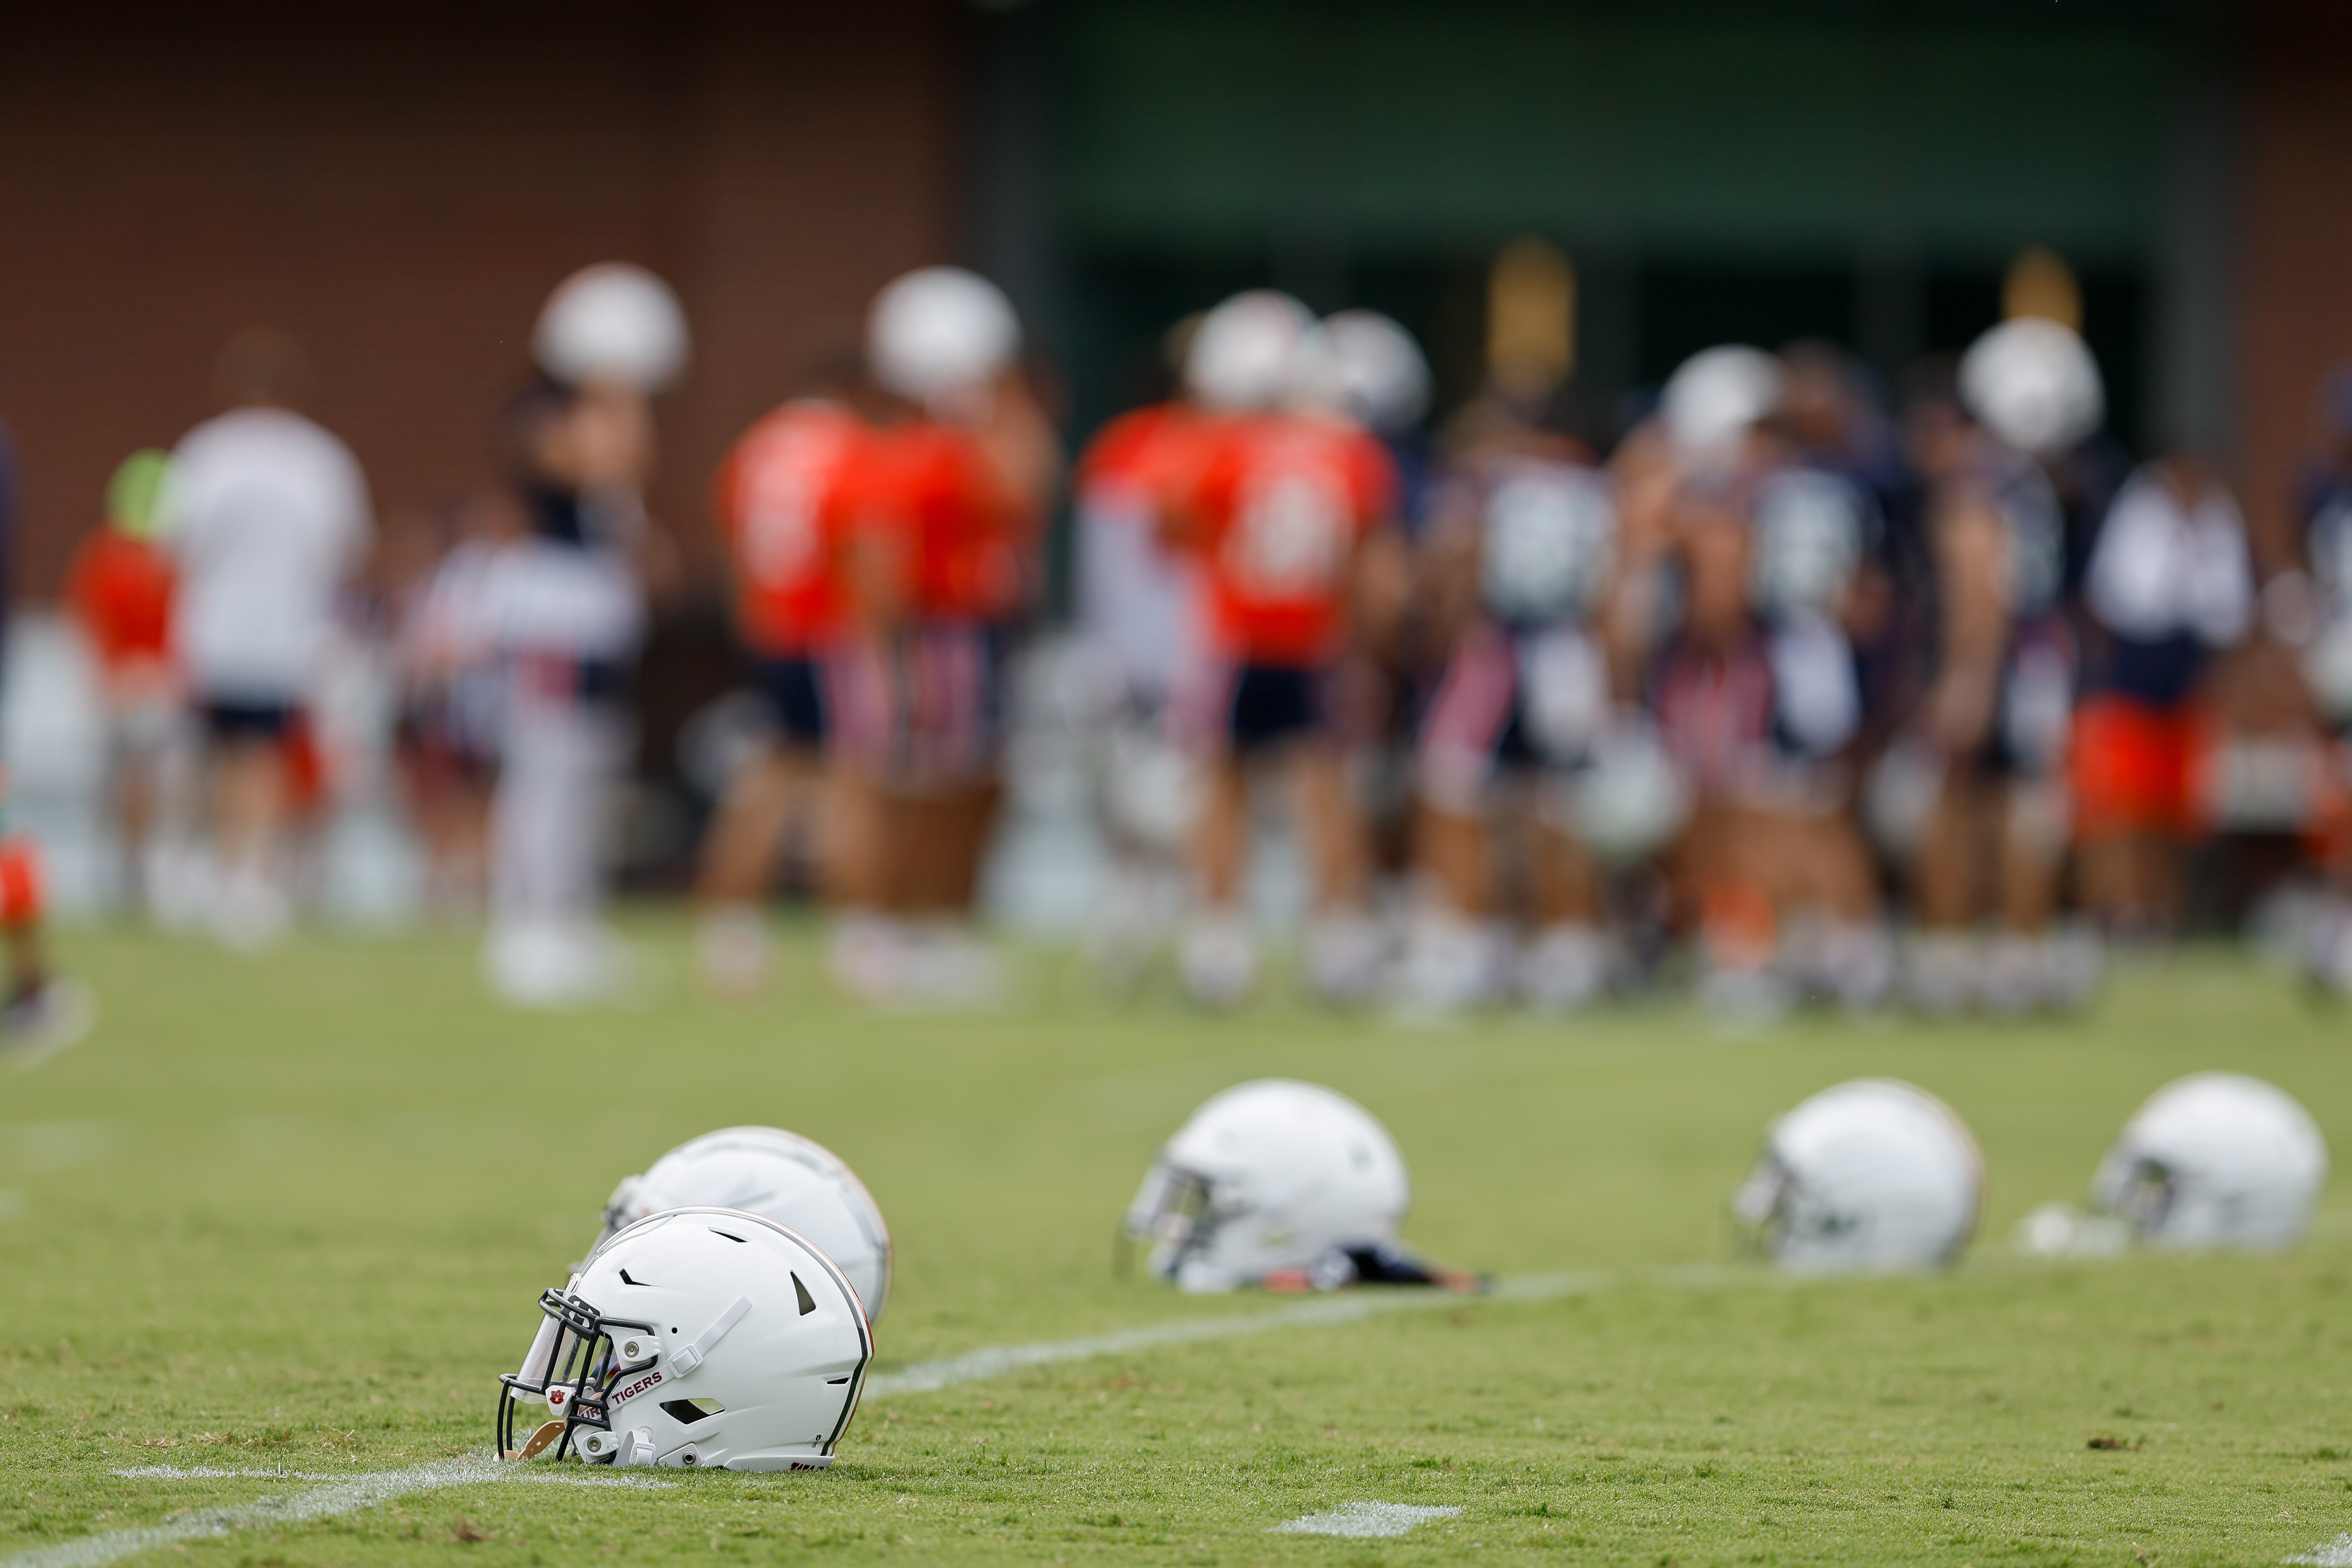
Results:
1359 1520
923 1377
348 1494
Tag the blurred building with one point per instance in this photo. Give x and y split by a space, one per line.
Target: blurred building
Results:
400 186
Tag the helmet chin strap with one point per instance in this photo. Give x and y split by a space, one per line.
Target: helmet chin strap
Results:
686 1357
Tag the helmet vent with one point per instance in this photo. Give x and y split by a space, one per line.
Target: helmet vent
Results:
808 1302
736 1239
686 1411
834 1382
626 1280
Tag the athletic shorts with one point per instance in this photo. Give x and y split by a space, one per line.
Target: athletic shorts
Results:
2132 765
919 709
793 690
249 720
1475 726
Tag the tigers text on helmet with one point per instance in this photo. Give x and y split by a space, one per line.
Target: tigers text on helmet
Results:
1871 1176
699 1337
612 321
1269 1176
787 1178
2216 1159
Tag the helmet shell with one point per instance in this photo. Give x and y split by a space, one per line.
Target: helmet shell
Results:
792 1180
612 322
2214 1161
1871 1176
773 1390
1284 1172
1714 398
938 331
1245 356
2033 384
1364 366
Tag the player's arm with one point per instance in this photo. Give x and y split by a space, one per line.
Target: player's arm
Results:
1971 545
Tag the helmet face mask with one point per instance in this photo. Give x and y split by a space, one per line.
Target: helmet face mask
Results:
573 1363
1173 1211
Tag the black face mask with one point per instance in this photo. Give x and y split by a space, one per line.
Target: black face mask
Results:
571 1367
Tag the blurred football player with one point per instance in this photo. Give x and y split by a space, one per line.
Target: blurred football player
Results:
1872 1176
568 608
267 517
44 1011
1519 558
118 587
1281 1186
2325 646
1289 515
1137 618
943 518
2171 581
454 698
780 503
1757 697
1971 797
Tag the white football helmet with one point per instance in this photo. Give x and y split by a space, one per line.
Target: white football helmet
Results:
1715 395
1868 1177
939 332
1267 1176
2034 384
701 1337
2216 1160
612 321
1550 543
1361 364
1245 355
787 1178
1812 528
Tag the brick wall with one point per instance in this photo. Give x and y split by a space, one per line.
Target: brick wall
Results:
2295 268
401 190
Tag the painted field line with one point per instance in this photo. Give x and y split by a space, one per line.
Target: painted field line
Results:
344 1495
349 1495
1350 1307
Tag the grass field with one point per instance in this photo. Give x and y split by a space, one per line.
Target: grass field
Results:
293 1213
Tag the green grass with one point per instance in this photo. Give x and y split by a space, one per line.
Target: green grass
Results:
295 1211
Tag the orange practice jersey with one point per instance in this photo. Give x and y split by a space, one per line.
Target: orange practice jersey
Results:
780 500
1149 454
934 490
1281 502
120 591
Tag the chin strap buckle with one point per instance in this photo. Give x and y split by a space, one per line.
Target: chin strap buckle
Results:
686 1357
637 1448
